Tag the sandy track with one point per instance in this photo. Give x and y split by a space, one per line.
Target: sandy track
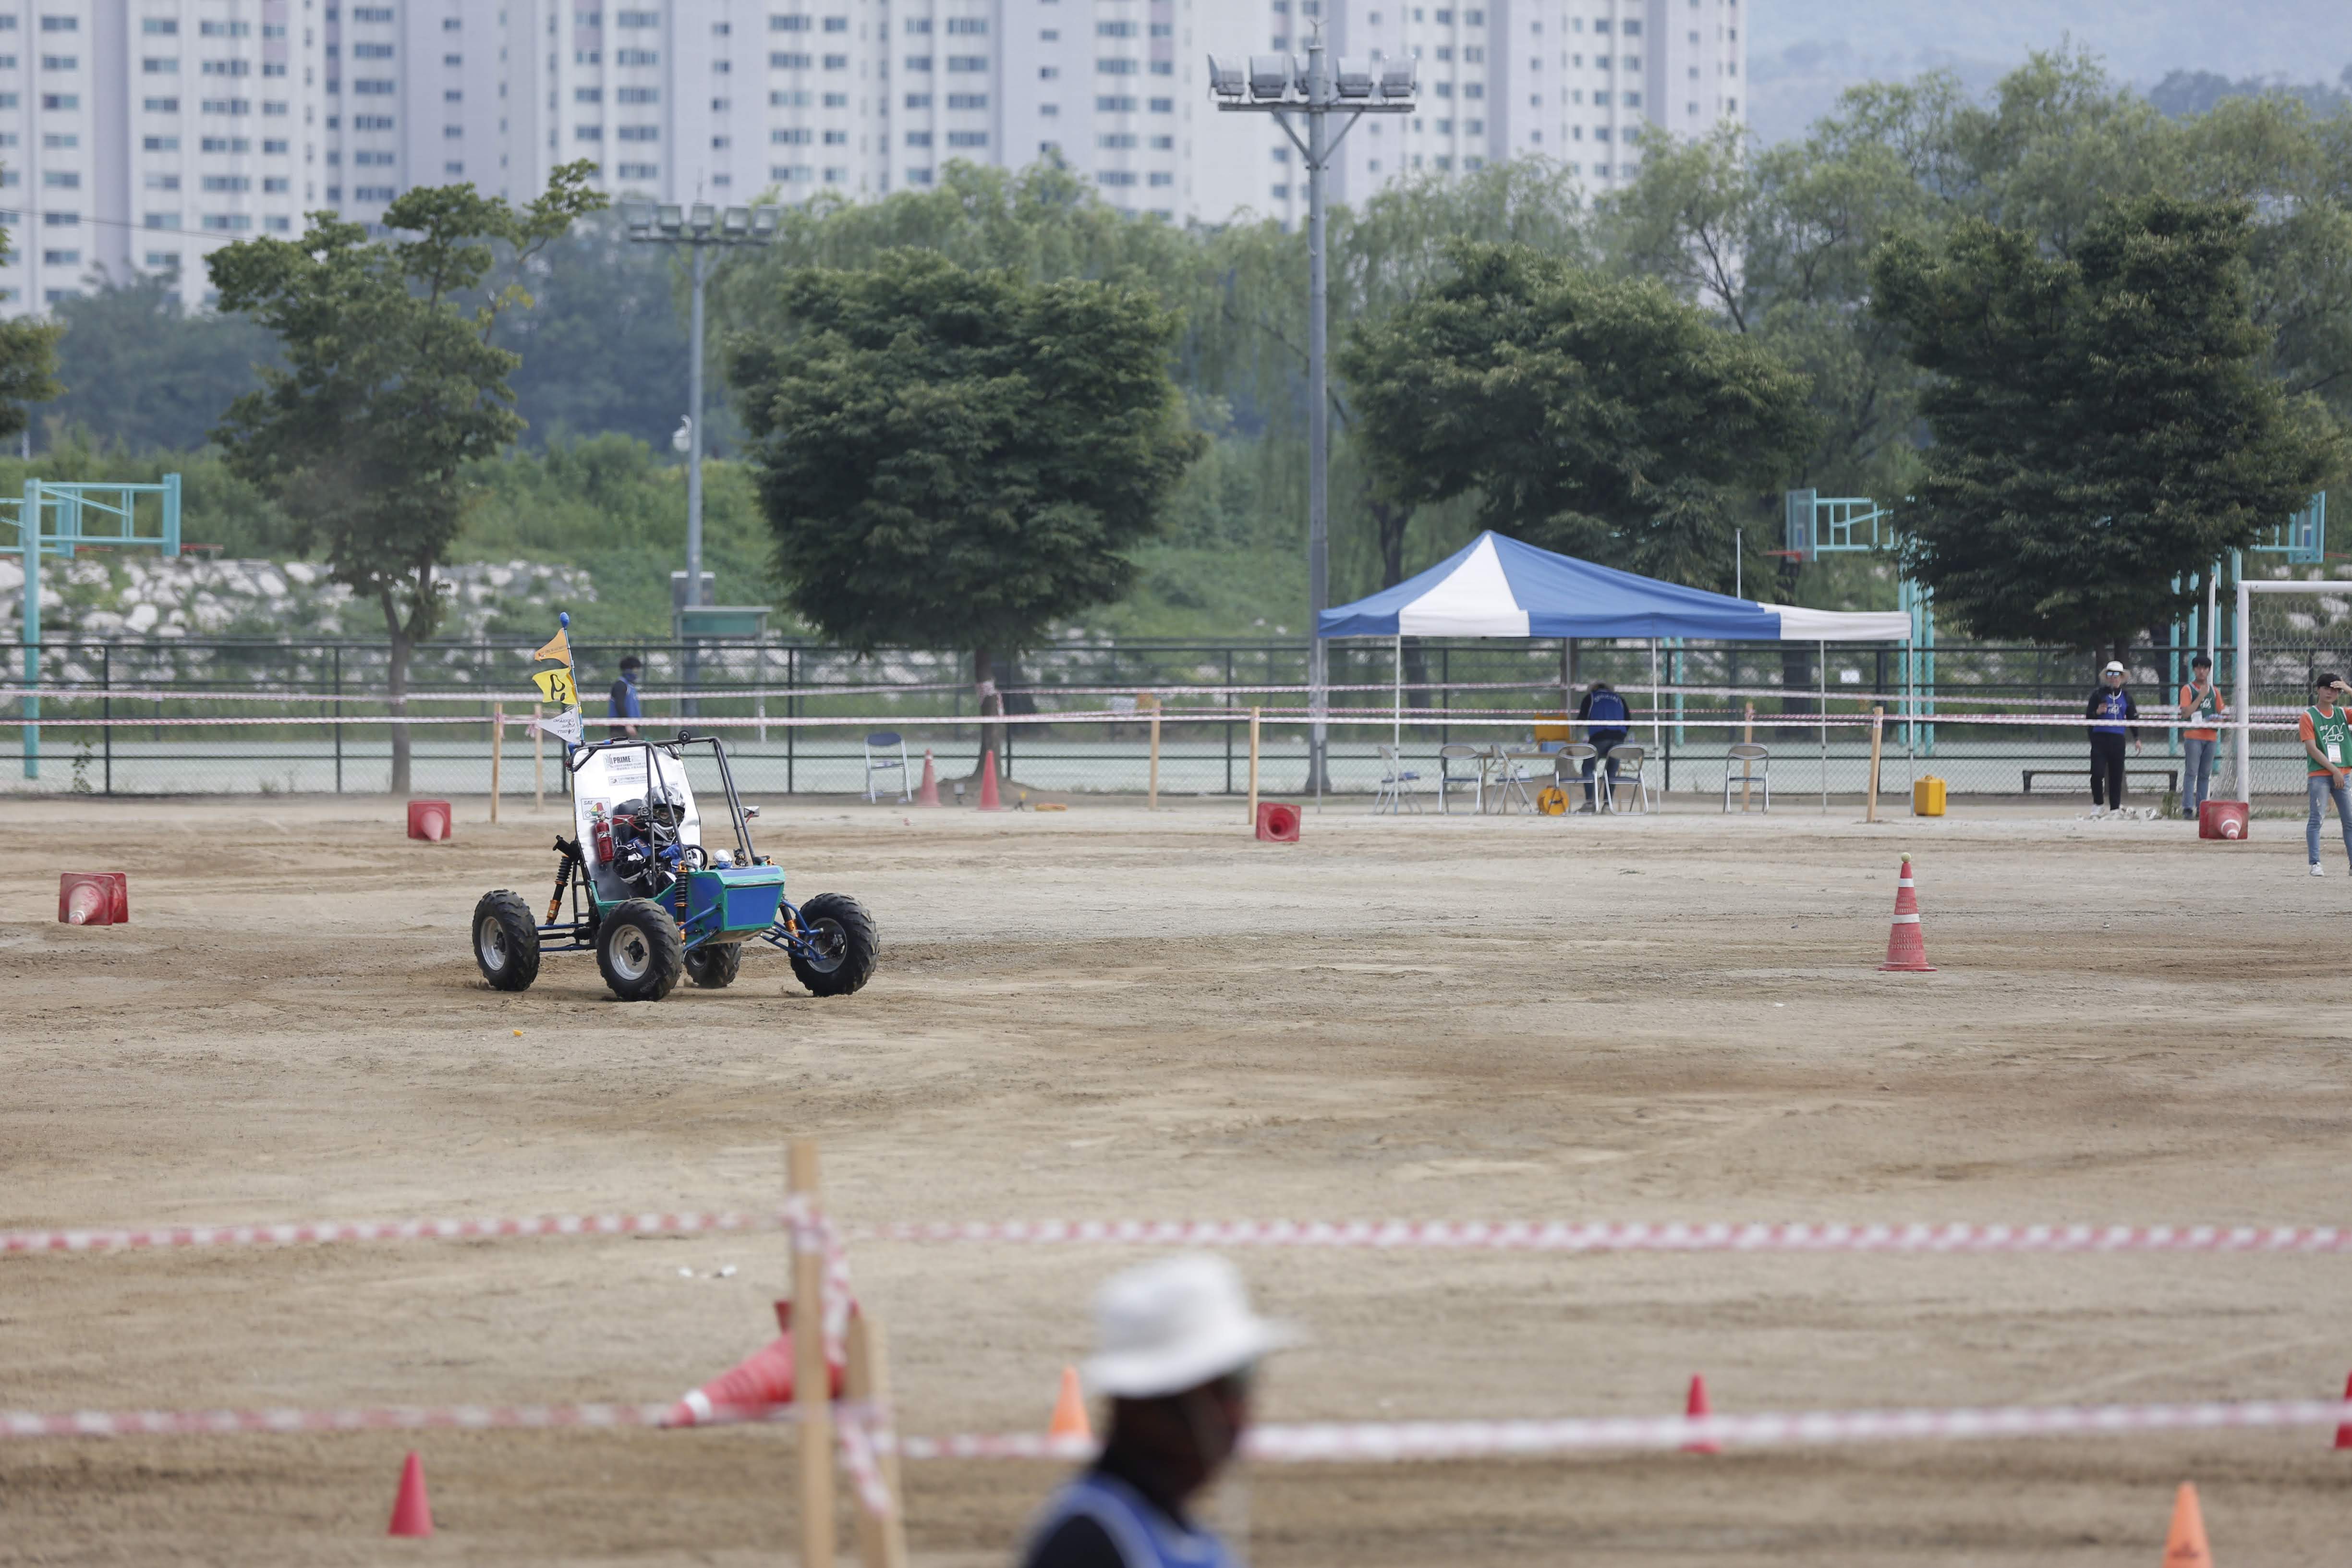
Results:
1104 1014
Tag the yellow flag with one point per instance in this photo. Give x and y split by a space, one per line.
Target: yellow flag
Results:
559 649
555 685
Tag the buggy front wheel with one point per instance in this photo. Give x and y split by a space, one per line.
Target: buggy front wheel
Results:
640 951
506 942
713 965
840 942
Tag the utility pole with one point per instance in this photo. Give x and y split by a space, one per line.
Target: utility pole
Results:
701 229
1282 86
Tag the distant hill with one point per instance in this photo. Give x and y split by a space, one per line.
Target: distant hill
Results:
1803 55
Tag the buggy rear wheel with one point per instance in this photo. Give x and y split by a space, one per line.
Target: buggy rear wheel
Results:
506 942
843 945
639 950
713 965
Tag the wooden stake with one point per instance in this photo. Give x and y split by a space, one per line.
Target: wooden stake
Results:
1255 717
881 1542
1151 802
1877 732
1748 734
498 751
811 1379
538 762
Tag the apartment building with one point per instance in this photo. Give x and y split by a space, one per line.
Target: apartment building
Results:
137 135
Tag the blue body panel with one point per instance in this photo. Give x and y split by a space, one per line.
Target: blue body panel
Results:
731 904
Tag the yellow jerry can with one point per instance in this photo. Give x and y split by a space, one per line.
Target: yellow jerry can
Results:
1927 796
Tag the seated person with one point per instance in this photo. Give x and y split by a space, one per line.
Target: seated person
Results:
1603 714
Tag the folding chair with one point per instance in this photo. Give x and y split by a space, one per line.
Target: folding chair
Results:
1567 765
1447 779
1394 777
1630 762
1513 779
878 746
1747 756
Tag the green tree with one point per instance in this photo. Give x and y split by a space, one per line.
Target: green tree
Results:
390 387
143 373
28 362
958 457
2102 422
1595 416
604 345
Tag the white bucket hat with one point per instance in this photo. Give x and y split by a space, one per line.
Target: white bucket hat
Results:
2115 667
1176 1324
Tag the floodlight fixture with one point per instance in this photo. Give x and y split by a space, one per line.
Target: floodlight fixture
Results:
1228 77
763 223
702 218
670 218
1397 76
639 217
1269 77
737 222
1355 78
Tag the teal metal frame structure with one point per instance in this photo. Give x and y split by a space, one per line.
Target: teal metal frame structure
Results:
60 519
1817 525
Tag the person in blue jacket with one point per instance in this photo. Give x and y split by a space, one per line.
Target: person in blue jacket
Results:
1177 1343
2113 714
1602 714
622 704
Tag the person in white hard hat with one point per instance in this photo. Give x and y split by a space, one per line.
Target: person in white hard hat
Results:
2111 712
1176 1344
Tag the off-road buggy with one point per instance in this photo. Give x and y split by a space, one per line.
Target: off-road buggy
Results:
653 901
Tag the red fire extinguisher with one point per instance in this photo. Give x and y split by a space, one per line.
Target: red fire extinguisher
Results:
601 832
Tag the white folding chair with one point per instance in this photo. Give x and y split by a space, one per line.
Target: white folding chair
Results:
1630 762
1447 779
1394 793
878 760
1516 761
1747 757
1568 767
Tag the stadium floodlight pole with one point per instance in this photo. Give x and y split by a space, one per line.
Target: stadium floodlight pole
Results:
700 228
1282 86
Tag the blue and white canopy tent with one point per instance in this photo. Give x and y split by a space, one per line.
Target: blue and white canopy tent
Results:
1496 586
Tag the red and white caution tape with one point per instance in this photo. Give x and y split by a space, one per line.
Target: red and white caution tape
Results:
1496 1236
1562 1236
863 1431
1389 1441
1373 1441
374 1418
97 1240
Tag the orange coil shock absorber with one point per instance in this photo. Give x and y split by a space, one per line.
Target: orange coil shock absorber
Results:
563 879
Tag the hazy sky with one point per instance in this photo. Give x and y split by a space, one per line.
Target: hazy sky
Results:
1802 52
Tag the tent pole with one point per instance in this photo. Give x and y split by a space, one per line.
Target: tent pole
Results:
1654 743
1396 735
1822 670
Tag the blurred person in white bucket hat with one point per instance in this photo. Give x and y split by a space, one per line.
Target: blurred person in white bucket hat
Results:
1176 1343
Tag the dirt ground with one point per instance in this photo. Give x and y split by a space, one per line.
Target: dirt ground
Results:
1110 1014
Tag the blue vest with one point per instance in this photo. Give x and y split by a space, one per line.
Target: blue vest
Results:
1608 711
2111 707
1145 1537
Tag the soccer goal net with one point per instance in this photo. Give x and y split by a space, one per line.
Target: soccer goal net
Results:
2289 632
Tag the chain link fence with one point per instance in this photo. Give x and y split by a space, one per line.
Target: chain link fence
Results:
176 716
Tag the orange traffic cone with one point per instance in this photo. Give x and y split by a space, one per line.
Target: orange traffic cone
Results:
929 794
2344 1433
411 1514
1907 950
759 1382
988 801
2184 1544
1070 1410
1698 1407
